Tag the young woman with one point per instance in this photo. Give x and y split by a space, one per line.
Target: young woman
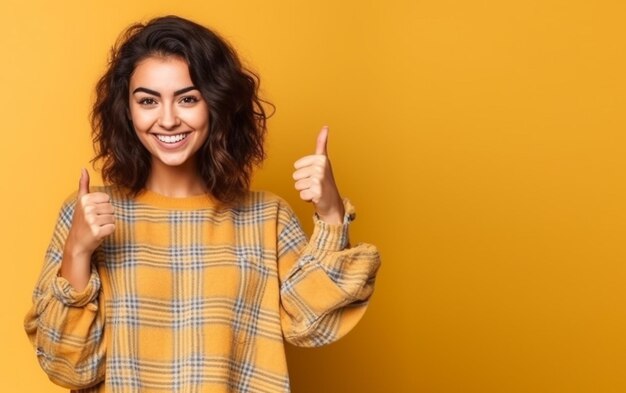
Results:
174 276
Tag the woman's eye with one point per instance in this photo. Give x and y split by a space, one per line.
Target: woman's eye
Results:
147 101
189 100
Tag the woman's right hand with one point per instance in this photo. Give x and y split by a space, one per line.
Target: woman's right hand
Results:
92 221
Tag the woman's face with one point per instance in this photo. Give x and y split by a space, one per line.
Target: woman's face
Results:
168 112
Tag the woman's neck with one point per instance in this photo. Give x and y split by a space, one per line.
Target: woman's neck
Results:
175 181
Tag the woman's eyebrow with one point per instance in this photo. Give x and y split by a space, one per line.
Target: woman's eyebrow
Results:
156 93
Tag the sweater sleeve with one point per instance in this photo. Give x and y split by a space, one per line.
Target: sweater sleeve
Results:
65 326
325 284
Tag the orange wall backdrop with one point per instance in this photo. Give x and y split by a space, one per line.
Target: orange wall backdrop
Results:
482 142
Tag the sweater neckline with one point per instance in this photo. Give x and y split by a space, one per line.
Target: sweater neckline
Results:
152 198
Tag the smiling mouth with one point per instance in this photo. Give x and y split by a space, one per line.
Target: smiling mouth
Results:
172 138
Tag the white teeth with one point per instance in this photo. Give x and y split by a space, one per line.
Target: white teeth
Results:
171 138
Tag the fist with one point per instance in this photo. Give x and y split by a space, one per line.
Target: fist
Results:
93 218
315 181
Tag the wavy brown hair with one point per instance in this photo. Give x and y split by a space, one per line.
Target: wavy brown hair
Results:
237 119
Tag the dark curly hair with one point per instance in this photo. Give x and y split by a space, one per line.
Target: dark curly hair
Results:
237 124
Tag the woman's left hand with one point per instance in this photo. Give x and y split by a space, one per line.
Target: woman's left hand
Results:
315 181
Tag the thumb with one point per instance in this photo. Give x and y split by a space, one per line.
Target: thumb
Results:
83 183
322 141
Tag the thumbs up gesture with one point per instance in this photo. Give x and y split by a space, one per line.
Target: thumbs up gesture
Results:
314 179
91 223
93 219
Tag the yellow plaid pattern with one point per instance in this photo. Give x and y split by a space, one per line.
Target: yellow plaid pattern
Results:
190 296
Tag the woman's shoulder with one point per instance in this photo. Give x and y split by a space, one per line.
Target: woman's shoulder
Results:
264 199
253 199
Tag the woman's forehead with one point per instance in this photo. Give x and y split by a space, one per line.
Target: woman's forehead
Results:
163 74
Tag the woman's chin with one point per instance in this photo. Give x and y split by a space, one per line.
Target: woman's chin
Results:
169 161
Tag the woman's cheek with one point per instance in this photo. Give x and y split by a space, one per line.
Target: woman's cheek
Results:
143 120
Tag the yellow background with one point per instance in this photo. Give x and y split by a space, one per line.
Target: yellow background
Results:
482 142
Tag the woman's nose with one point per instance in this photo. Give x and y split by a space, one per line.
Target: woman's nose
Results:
169 119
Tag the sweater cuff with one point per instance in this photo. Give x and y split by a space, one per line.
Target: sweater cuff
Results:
333 237
66 294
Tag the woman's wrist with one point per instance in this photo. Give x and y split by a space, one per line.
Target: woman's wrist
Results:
333 216
76 266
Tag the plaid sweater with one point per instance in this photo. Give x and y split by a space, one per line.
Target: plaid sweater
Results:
189 296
